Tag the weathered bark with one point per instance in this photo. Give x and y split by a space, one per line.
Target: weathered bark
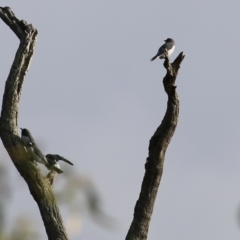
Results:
39 187
157 148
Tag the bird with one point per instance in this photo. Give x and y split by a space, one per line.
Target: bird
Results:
53 162
31 147
168 47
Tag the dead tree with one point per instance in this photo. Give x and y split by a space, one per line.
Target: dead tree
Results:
40 187
156 155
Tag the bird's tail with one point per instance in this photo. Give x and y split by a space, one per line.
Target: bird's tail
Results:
65 160
152 59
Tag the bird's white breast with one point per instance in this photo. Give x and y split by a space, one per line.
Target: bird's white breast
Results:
171 50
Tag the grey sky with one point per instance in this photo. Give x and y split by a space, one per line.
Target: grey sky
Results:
93 96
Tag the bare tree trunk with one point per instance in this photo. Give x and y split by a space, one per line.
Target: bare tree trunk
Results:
157 148
39 186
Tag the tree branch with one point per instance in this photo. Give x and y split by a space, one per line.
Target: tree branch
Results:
39 187
157 148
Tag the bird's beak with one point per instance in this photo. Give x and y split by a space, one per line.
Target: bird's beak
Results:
21 128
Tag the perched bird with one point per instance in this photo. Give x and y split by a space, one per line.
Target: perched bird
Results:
32 149
168 46
53 161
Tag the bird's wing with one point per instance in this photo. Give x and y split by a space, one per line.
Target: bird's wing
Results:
161 50
38 152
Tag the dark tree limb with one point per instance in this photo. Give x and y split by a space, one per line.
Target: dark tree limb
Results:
157 148
39 186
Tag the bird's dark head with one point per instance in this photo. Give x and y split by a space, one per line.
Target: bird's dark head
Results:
169 40
25 132
50 157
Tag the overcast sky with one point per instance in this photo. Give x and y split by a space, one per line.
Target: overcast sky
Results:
93 96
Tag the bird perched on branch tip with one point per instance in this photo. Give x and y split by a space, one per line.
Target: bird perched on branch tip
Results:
168 47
